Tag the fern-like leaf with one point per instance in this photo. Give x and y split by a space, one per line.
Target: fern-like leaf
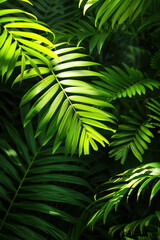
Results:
72 103
134 135
155 62
83 30
154 106
121 84
117 11
35 184
137 225
122 186
15 40
51 12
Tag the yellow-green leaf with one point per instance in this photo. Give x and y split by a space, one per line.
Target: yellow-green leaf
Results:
32 25
39 48
33 36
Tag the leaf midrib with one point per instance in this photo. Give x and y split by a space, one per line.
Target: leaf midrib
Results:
18 189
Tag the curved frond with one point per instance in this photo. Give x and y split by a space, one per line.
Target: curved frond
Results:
27 1
73 103
83 30
122 186
149 23
35 187
19 38
118 11
137 225
121 84
134 134
155 62
154 106
51 12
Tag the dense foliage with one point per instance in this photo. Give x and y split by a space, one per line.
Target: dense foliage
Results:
79 119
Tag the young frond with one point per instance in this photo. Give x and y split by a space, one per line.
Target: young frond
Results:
34 188
121 84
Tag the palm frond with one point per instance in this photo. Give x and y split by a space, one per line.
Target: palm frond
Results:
27 1
138 225
83 30
121 84
150 23
134 134
71 101
155 62
14 40
154 106
117 11
51 12
34 187
122 186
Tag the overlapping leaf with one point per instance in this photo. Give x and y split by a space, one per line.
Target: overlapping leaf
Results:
121 84
34 186
83 30
51 12
17 40
117 10
137 225
123 185
73 104
134 134
154 106
155 62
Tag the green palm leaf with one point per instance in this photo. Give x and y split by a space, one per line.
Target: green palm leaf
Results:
134 134
121 84
66 96
52 12
14 43
154 107
155 61
32 183
118 11
83 31
122 186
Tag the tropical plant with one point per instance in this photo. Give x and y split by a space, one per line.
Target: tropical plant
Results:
79 91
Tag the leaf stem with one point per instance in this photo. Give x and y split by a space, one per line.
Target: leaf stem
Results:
65 94
18 189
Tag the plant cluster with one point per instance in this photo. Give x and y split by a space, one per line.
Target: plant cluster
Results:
79 113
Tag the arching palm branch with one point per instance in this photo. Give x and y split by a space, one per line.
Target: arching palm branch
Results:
35 187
